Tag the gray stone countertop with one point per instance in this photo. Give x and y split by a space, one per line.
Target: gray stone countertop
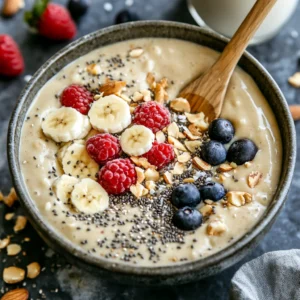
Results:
59 280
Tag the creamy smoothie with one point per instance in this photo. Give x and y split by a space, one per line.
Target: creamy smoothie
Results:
139 222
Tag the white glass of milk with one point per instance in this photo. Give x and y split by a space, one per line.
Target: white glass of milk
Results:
225 16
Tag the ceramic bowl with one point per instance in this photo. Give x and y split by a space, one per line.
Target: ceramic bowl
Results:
173 274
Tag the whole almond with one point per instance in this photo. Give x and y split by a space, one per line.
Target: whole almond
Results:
11 7
17 294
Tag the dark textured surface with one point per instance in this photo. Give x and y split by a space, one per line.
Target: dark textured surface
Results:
279 56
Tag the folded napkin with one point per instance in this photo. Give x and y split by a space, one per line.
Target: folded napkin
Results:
272 276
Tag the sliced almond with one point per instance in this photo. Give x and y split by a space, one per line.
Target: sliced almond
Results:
184 157
216 228
176 143
33 270
173 130
146 95
201 164
181 135
168 177
4 242
125 98
238 198
140 174
225 168
160 137
187 133
206 210
13 275
20 223
94 69
140 162
180 105
138 190
16 294
9 216
179 168
192 146
150 185
151 174
137 52
151 80
188 180
112 87
137 96
10 199
195 118
177 152
253 179
295 80
159 93
11 7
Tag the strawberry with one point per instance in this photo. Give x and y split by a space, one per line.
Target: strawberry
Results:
51 20
11 59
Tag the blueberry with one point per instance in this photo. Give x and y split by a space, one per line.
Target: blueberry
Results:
221 130
212 191
125 16
187 218
242 151
185 195
213 152
78 8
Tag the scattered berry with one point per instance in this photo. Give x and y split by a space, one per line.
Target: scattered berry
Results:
78 8
125 16
242 151
221 130
52 21
152 115
213 153
185 195
11 60
187 218
160 155
117 176
77 97
103 148
212 191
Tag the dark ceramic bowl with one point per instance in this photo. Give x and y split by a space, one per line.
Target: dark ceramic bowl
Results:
157 275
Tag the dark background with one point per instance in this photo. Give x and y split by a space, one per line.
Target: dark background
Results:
59 280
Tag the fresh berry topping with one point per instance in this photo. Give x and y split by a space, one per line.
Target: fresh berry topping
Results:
221 130
152 115
242 151
77 97
187 218
11 60
103 148
117 176
160 155
185 195
125 16
213 153
212 191
52 21
78 8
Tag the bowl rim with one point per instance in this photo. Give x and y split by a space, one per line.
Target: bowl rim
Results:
46 229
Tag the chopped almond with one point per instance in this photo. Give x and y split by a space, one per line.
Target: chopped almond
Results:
195 118
10 199
141 162
138 190
254 178
112 87
216 228
168 177
140 174
238 198
206 210
125 98
9 216
225 168
201 164
160 137
20 223
93 69
151 174
150 185
146 95
137 96
188 180
13 249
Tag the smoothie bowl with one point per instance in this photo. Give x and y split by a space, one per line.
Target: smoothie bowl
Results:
117 174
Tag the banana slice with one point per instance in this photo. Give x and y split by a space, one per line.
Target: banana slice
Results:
110 114
62 150
63 187
137 140
65 124
89 197
77 162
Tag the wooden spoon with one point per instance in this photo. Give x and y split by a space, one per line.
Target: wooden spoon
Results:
206 93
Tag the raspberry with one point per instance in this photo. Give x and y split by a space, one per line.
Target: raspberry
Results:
78 97
103 148
117 176
160 154
152 115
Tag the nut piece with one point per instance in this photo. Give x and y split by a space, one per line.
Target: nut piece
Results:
295 80
225 168
137 96
168 177
178 145
164 82
216 228
187 133
173 130
248 164
11 7
93 69
238 198
150 185
13 249
188 180
184 157
295 111
140 175
112 87
253 179
9 216
125 98
192 146
20 223
151 80
179 168
160 137
180 105
159 93
141 162
137 52
138 190
10 199
151 174
33 270
201 164
5 242
13 275
195 118
195 130
16 294
206 210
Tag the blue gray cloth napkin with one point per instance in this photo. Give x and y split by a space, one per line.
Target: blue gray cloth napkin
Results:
272 276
